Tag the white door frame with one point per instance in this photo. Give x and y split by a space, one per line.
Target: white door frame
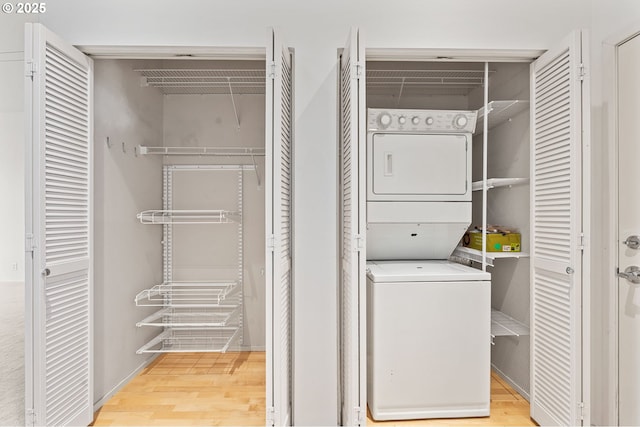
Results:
610 96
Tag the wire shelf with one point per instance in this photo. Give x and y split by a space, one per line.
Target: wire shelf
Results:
398 81
475 255
205 81
199 340
188 217
186 294
201 151
178 317
504 326
499 182
500 112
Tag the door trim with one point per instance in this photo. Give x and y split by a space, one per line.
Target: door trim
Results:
610 97
173 52
452 55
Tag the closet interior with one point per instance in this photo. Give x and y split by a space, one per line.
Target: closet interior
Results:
180 210
449 85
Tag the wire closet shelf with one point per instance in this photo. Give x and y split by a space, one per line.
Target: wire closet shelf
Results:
188 217
246 81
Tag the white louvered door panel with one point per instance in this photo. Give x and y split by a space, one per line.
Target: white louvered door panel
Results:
279 201
556 227
353 260
59 387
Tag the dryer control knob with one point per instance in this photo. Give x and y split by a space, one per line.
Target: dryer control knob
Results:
415 120
402 120
429 121
460 121
384 119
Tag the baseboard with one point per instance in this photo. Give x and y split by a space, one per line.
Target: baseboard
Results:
122 383
512 383
253 348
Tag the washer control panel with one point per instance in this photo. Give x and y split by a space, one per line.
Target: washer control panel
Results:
421 120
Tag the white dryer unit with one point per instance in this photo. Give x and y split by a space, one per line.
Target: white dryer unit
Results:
418 182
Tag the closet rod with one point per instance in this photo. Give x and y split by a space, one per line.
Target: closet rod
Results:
211 167
201 151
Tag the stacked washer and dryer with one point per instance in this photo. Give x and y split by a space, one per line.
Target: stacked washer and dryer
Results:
428 319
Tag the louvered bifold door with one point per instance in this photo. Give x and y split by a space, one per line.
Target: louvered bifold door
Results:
352 268
59 388
556 229
279 172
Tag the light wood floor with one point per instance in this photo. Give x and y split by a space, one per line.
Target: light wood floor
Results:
206 389
229 389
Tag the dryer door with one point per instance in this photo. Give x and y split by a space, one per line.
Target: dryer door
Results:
419 167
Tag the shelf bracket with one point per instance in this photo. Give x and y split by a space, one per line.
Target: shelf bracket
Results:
400 93
233 102
255 168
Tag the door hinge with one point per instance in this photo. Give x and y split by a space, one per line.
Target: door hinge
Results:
359 415
30 68
358 69
581 71
30 417
581 407
271 242
271 416
29 245
581 246
359 242
272 70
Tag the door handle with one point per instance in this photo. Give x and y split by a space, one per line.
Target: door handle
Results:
388 164
633 242
631 273
46 272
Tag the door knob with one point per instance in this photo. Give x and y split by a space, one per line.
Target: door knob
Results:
631 273
46 272
633 242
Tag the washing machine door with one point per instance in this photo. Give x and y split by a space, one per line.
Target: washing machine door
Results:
419 167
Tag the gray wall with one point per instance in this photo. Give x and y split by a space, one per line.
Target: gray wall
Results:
128 254
209 121
508 157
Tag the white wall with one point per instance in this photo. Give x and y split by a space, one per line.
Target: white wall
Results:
317 30
11 148
608 19
12 217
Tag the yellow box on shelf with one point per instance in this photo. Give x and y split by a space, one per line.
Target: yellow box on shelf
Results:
498 240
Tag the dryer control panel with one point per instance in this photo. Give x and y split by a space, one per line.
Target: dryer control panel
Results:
455 121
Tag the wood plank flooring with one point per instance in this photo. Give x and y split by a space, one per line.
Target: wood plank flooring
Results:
206 389
210 389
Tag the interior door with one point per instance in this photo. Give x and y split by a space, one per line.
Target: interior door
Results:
628 231
353 350
59 359
559 282
278 171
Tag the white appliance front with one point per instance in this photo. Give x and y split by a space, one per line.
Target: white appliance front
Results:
428 332
419 155
419 167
